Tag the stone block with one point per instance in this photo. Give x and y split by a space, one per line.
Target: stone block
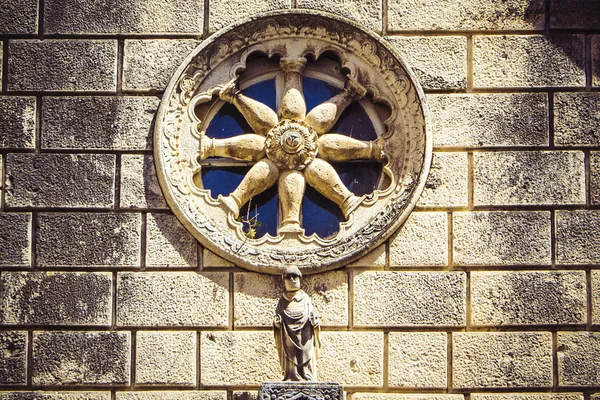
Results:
502 238
578 356
166 358
13 358
489 120
81 358
577 237
439 62
226 12
575 14
49 395
418 360
375 258
119 17
15 239
367 13
489 360
17 122
56 298
139 184
406 396
126 122
422 240
522 177
149 64
245 395
88 239
256 297
595 177
576 119
20 17
39 180
210 260
595 292
527 396
596 60
62 65
528 61
447 183
528 298
173 299
409 299
238 358
168 243
172 395
427 15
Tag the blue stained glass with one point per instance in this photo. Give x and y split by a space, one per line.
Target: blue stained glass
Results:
316 92
264 92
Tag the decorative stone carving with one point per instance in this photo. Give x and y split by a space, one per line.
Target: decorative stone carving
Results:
300 391
294 146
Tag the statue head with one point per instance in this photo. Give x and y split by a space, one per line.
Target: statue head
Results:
291 278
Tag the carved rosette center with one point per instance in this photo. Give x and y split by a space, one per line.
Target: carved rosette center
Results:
291 145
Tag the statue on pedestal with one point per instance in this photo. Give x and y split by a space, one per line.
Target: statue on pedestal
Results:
297 328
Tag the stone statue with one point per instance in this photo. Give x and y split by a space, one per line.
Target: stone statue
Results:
297 328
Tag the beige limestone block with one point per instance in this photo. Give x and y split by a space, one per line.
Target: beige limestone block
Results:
577 119
502 360
528 61
418 360
166 358
226 12
210 260
351 358
575 14
376 258
578 237
409 298
439 62
578 354
19 16
529 177
173 299
13 358
238 358
422 240
367 13
15 239
596 60
528 298
173 395
256 297
489 120
447 182
595 278
595 177
51 395
168 243
139 184
17 121
502 238
527 396
406 396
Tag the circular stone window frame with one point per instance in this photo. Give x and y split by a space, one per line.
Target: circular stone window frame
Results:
368 60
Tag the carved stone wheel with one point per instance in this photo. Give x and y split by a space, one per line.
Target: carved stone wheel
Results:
288 147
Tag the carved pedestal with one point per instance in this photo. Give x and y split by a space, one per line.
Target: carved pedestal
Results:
300 391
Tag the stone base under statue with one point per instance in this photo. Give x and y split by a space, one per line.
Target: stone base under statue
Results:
300 391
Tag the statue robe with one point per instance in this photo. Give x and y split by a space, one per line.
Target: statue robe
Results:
297 339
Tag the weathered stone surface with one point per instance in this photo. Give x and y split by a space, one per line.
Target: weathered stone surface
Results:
62 65
294 389
238 358
173 299
502 238
596 60
126 122
465 15
502 359
39 395
578 354
439 62
40 180
409 299
488 120
15 239
528 61
94 239
168 243
528 298
113 16
81 358
404 396
13 358
149 64
422 240
447 182
17 121
226 12
576 119
210 259
515 178
418 360
139 184
595 177
244 395
166 358
527 396
367 13
375 258
171 395
256 297
19 17
575 14
595 297
55 298
577 237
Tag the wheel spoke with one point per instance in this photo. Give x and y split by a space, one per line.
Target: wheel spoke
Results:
259 116
292 104
338 148
291 192
247 147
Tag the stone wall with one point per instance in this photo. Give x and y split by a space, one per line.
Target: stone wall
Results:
491 290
